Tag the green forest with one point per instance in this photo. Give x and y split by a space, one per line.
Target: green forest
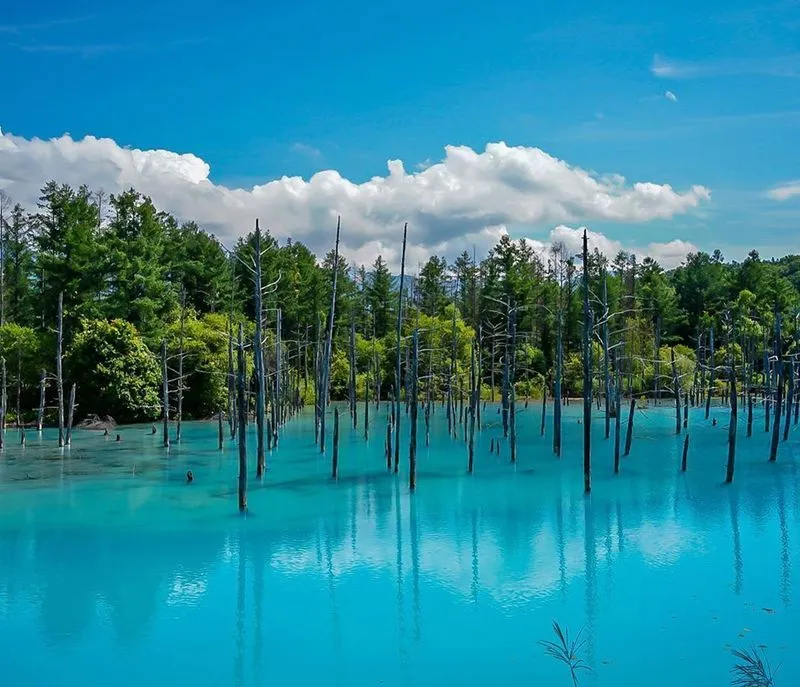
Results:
141 290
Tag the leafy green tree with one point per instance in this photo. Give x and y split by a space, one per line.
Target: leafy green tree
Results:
432 281
116 373
379 297
69 255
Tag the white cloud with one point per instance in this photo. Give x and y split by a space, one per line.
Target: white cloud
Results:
449 205
668 255
785 66
785 191
307 150
669 95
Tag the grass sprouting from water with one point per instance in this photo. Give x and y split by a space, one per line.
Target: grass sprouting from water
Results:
566 651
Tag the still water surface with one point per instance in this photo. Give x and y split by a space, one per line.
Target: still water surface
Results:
113 569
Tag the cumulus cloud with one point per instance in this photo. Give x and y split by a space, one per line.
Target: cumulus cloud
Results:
450 204
785 191
668 255
669 95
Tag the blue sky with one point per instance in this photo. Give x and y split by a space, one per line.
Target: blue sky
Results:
261 90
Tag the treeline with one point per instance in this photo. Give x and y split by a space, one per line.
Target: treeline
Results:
133 278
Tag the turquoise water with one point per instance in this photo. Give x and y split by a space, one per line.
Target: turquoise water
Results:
113 569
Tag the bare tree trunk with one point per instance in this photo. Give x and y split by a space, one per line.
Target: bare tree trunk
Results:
710 372
326 360
4 396
471 415
685 455
398 377
240 393
219 429
504 391
606 372
776 423
557 393
165 393
789 400
587 373
544 404
733 424
231 380
179 408
258 358
677 389
59 370
512 364
335 457
352 383
42 389
617 416
412 389
366 405
629 433
70 415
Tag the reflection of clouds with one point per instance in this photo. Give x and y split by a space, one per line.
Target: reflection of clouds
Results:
512 573
663 544
184 592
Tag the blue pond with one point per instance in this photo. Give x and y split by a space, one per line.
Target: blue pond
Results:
114 570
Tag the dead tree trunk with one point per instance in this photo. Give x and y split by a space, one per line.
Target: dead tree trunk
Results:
59 370
352 384
179 400
42 391
412 389
732 426
677 389
326 360
512 394
617 416
789 402
685 455
165 393
258 357
398 377
629 432
70 415
472 403
776 423
710 372
587 373
606 372
241 403
335 458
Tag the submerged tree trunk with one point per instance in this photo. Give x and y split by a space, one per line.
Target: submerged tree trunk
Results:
258 356
789 402
240 394
412 389
587 373
732 426
685 455
42 391
711 372
677 389
59 370
471 415
398 361
617 415
629 433
326 361
70 415
776 423
352 383
335 458
557 393
164 394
